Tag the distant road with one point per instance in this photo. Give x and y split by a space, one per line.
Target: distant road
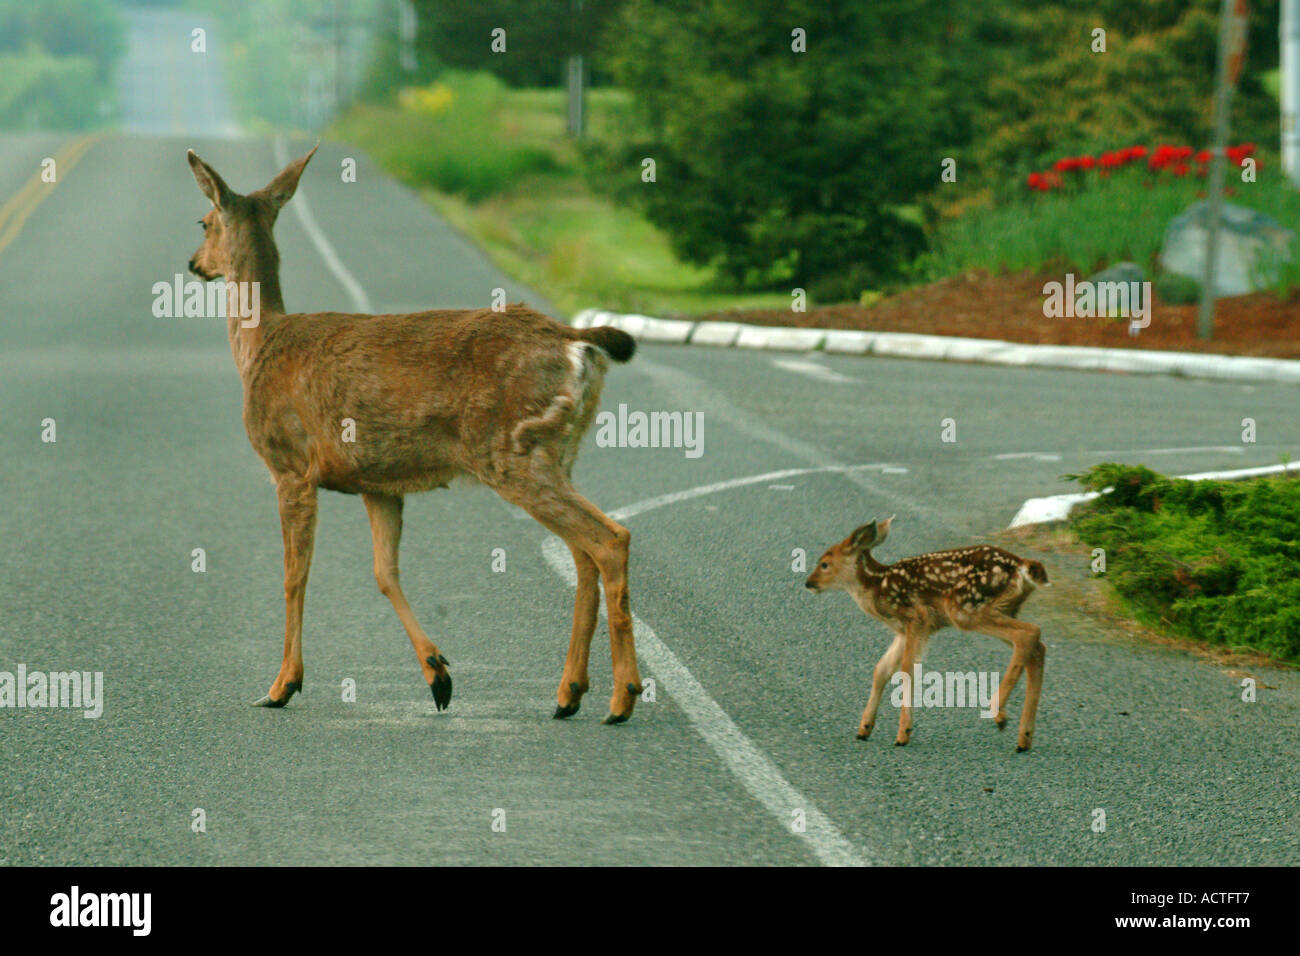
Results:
761 687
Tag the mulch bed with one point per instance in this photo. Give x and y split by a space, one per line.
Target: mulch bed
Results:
1010 307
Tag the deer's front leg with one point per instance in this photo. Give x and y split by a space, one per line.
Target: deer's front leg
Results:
298 526
886 667
911 651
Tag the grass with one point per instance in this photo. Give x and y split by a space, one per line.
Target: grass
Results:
1213 560
498 164
1108 221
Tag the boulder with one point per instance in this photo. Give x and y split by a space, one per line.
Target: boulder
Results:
1251 245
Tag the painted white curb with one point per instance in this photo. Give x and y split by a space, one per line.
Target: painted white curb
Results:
1058 507
945 348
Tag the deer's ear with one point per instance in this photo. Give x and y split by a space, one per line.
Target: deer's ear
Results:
281 189
212 185
864 537
882 528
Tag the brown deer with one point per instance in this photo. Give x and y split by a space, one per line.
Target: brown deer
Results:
975 589
499 398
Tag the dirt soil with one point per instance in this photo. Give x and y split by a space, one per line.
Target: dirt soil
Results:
1010 307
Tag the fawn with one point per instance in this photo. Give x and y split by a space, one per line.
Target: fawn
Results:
499 398
975 589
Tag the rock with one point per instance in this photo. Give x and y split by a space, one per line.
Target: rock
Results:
1127 273
1251 245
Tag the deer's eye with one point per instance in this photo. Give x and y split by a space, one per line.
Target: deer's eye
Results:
825 566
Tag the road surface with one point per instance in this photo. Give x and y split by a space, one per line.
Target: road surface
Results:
759 686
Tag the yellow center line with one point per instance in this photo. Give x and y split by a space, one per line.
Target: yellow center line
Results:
15 212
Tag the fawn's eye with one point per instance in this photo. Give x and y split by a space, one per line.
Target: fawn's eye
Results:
825 566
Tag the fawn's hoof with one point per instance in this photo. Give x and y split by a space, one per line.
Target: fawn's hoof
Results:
441 686
1023 745
864 732
269 701
568 710
1000 722
615 718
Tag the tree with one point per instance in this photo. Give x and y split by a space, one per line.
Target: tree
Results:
780 166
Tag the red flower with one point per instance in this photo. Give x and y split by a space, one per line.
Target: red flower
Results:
1204 156
1180 169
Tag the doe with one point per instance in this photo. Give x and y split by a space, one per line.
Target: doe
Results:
498 398
975 589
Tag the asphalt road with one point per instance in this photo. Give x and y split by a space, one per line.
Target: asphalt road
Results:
759 686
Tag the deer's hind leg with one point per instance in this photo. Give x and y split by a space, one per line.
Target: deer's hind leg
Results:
1027 651
547 494
385 513
586 608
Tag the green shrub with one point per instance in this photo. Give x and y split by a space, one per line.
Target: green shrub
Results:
1177 289
1214 560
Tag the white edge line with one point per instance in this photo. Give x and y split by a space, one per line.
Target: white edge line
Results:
751 766
360 301
1058 507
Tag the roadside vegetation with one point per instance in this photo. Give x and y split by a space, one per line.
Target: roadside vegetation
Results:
56 63
1213 560
791 151
497 163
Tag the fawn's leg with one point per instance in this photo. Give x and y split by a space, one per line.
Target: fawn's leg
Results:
886 667
911 654
298 526
586 607
385 513
1033 689
1024 640
549 497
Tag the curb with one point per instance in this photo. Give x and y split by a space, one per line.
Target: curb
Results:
944 348
1058 507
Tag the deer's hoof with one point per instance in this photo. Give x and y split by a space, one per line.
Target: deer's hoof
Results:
441 686
441 690
568 710
269 701
1000 722
864 732
616 718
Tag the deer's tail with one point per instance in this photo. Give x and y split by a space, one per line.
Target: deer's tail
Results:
1035 571
615 343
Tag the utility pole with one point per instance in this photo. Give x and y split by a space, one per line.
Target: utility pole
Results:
577 119
1289 33
1232 45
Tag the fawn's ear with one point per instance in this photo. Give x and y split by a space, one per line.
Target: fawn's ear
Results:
281 189
212 185
864 537
882 528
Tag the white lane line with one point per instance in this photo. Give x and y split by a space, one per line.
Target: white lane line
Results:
694 393
814 370
675 497
1035 455
360 301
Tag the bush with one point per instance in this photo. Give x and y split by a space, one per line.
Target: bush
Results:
1177 289
1214 560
